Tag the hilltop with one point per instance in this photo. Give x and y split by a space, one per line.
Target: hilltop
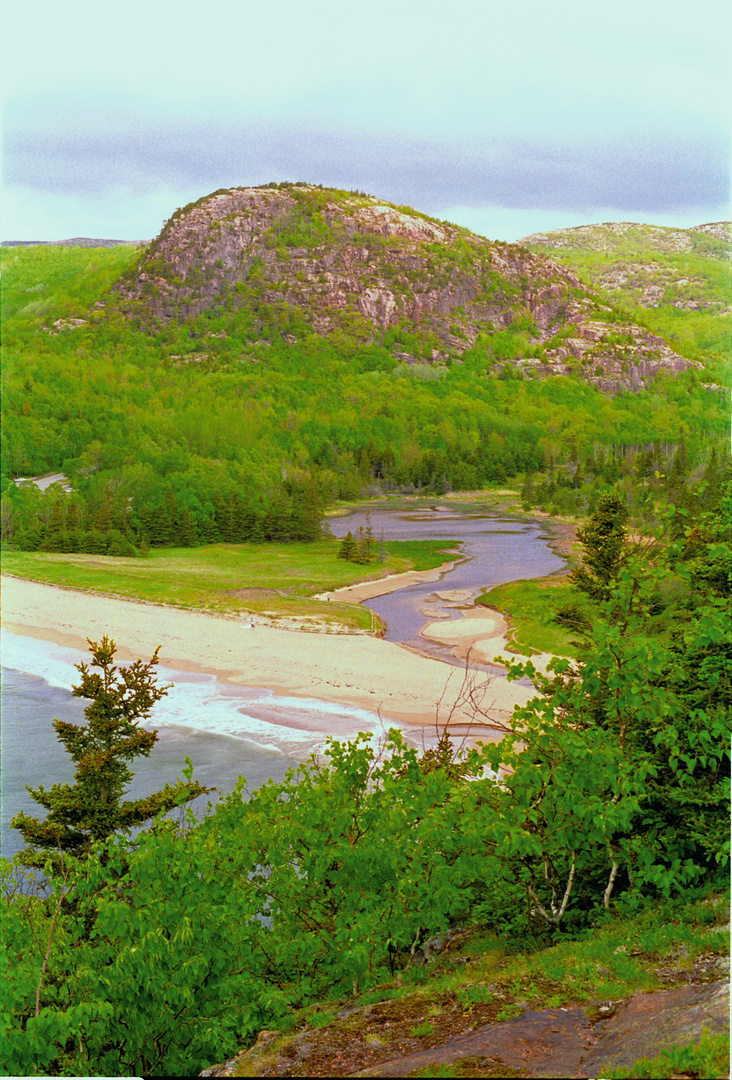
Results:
76 241
677 281
306 260
276 349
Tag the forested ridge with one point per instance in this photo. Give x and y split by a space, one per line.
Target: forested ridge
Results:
242 422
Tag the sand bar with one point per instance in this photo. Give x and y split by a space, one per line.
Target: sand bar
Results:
367 590
480 635
351 669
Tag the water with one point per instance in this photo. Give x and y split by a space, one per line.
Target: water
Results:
493 551
226 731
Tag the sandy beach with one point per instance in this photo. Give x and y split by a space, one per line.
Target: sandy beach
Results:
353 669
480 635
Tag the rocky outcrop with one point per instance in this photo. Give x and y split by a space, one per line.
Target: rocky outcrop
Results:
649 266
721 229
315 260
616 236
566 1042
573 1041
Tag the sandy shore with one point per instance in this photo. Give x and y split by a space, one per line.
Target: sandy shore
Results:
354 669
480 635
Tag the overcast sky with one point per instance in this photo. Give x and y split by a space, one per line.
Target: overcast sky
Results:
507 118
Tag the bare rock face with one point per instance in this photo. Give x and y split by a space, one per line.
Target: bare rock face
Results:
565 1042
349 263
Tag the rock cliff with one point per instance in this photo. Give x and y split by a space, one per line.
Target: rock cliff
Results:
346 263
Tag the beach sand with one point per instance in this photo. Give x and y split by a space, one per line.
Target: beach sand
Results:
355 670
481 636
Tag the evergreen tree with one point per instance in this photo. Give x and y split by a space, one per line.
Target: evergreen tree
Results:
57 519
712 479
187 533
603 542
527 492
160 526
92 808
171 517
102 518
348 548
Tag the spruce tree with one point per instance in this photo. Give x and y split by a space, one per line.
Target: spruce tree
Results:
603 541
92 808
348 548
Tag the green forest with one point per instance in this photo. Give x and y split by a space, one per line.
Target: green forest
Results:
226 428
141 938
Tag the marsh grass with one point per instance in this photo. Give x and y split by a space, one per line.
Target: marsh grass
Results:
266 580
531 608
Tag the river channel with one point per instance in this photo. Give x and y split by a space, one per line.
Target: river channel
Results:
491 550
227 730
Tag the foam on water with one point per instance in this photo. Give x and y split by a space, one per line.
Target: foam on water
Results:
202 702
227 731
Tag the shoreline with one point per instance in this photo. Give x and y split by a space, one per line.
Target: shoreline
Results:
368 590
350 669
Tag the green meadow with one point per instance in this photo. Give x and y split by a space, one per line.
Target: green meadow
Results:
276 580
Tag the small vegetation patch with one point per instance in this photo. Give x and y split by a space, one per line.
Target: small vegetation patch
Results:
540 615
708 1057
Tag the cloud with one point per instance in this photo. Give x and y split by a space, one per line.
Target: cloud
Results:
633 171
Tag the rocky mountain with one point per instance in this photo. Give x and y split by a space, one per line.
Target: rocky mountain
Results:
680 277
303 259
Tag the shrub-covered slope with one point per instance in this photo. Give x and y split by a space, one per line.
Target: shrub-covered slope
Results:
676 281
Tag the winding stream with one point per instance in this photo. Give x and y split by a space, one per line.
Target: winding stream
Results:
492 549
230 730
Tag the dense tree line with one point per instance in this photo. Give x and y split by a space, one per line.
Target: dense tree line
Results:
112 522
234 406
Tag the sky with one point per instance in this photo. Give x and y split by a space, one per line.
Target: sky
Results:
508 118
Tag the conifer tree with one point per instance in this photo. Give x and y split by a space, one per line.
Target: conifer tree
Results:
92 808
603 542
348 548
527 491
187 534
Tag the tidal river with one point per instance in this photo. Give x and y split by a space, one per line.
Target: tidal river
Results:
229 731
492 551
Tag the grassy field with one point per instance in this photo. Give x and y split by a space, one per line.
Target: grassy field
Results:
531 608
276 580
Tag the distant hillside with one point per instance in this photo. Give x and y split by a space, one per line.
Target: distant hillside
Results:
677 280
77 241
276 349
296 260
